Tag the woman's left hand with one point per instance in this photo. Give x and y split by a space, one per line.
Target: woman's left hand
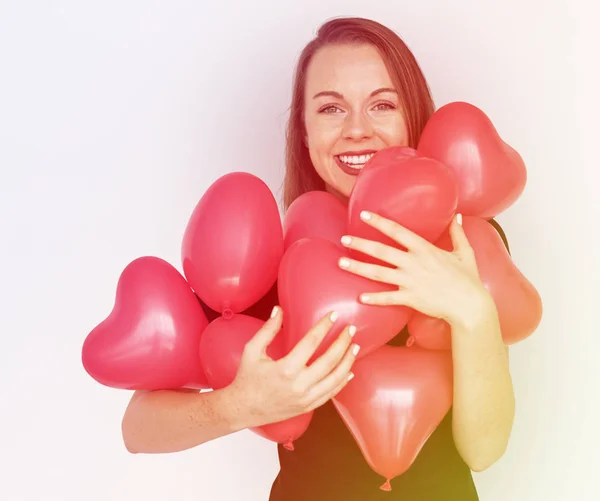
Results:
431 280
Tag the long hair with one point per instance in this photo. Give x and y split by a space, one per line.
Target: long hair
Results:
407 77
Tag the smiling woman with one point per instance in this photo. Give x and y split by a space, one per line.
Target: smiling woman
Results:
358 89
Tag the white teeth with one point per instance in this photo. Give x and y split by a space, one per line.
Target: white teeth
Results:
356 159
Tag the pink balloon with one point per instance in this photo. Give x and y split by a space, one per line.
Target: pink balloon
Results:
315 214
233 243
150 339
518 302
491 175
396 400
311 284
419 193
221 351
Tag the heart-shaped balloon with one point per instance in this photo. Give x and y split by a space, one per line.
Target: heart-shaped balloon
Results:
150 339
518 302
311 284
233 243
429 332
491 175
419 193
396 400
315 214
221 350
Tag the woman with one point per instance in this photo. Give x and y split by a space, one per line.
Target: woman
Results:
358 89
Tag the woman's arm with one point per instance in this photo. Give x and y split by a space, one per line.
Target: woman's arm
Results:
446 285
484 401
263 391
172 421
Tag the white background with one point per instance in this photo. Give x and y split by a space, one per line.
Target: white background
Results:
116 116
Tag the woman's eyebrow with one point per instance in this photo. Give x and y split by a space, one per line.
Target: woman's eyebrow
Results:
333 93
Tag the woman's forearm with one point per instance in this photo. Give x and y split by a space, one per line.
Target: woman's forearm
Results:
172 421
484 402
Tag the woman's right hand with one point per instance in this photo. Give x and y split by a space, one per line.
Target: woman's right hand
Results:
269 391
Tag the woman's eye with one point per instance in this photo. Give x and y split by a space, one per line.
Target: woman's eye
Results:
384 106
329 109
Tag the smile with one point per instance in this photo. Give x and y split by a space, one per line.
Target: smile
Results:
353 163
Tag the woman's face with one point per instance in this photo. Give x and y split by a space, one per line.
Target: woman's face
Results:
351 111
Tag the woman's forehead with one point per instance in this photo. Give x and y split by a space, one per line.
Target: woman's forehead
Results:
347 69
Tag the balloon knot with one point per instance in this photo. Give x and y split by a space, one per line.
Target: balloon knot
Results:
289 445
387 486
227 314
410 341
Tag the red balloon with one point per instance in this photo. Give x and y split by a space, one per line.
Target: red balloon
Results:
419 193
518 302
233 243
491 174
396 400
429 332
315 214
150 339
221 350
311 284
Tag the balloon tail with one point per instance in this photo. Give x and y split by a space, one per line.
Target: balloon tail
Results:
227 314
387 486
410 341
289 445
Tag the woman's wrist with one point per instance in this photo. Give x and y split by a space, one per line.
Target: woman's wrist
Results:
479 312
234 409
477 331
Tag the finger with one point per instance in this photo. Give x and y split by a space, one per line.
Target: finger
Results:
339 375
460 241
371 271
259 343
378 250
395 231
297 359
331 394
388 298
330 359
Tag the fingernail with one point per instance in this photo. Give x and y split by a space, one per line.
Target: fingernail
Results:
352 330
346 240
364 298
333 317
459 219
350 376
365 216
344 262
355 349
274 312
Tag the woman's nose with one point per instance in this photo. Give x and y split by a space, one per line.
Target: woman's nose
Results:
357 126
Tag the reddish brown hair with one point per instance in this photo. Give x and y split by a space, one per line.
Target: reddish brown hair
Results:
406 75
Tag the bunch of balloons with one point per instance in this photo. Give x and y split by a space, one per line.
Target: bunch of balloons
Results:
236 247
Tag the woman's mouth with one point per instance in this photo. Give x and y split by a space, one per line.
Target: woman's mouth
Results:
353 163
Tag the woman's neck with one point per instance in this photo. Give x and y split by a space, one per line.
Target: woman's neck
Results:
342 198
